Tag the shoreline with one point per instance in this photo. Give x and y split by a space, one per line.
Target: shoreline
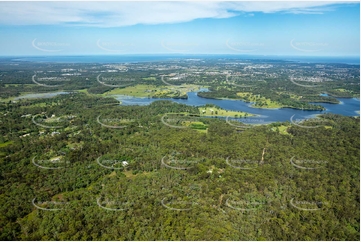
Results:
233 99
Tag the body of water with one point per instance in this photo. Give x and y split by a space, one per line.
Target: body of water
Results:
347 107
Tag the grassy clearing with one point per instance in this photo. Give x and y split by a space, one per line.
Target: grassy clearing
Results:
267 103
218 112
6 100
135 91
196 125
281 129
6 144
342 90
112 174
83 91
152 90
87 93
38 105
129 174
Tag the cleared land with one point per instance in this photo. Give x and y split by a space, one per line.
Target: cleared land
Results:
260 102
153 91
281 129
218 112
6 144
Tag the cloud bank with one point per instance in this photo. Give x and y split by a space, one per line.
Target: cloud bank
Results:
118 14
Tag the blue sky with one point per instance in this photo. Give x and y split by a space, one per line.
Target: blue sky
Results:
123 28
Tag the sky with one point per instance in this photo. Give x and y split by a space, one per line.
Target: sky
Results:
169 27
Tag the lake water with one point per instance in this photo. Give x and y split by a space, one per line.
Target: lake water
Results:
347 107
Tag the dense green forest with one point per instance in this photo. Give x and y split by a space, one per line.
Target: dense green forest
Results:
82 167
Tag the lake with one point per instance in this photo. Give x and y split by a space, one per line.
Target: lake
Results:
346 107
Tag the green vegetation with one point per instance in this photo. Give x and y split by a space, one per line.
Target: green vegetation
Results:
152 91
82 167
6 144
282 129
214 111
144 194
259 102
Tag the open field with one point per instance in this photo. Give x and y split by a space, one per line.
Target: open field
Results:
152 90
281 129
218 112
6 144
342 90
258 99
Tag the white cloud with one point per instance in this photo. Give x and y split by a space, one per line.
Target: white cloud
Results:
114 14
